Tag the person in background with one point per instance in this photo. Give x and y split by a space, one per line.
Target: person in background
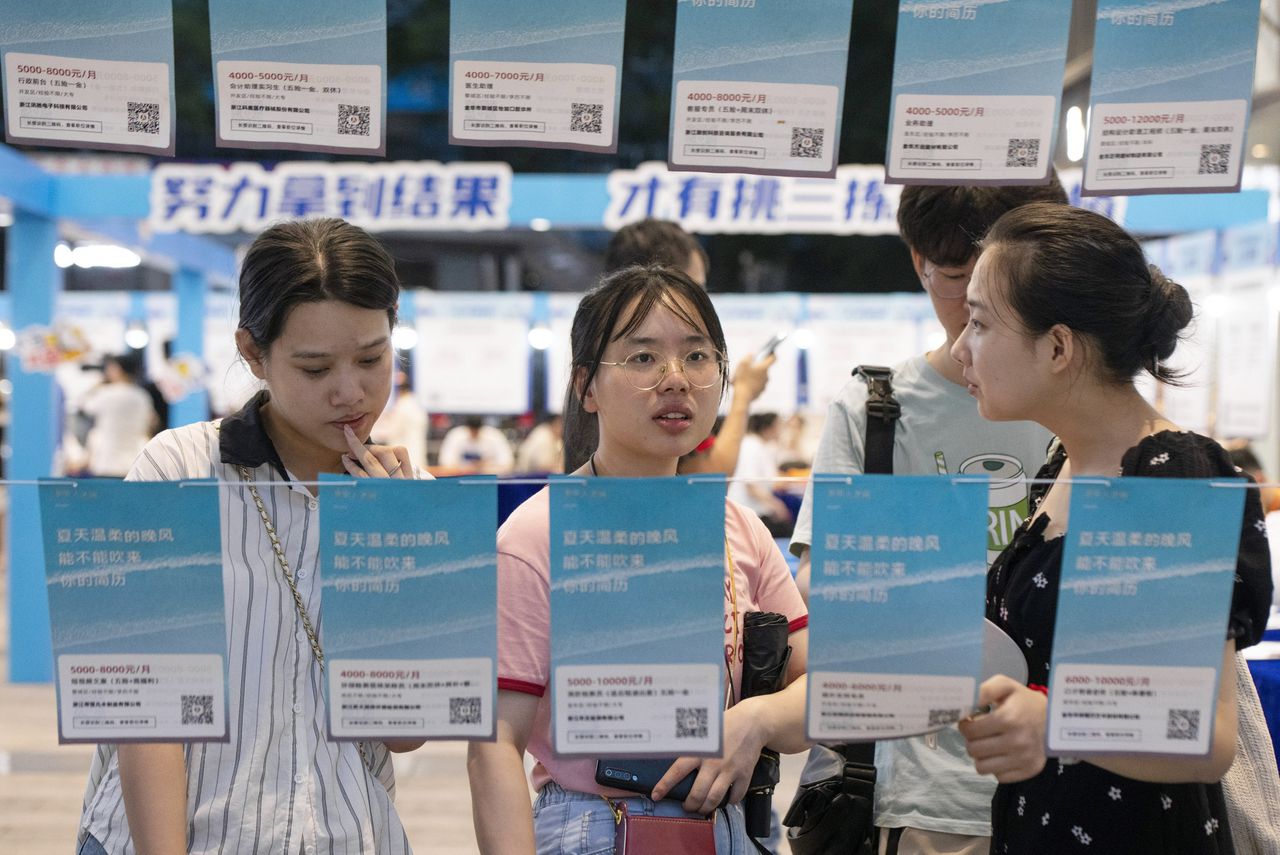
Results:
752 483
477 447
122 420
1064 313
1242 456
648 373
928 798
663 242
317 305
404 422
543 449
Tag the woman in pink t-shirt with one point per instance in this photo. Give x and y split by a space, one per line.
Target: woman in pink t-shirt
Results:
648 375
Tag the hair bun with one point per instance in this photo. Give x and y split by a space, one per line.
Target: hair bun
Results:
1169 311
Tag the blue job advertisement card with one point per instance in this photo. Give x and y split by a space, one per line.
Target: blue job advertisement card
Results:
134 575
976 90
897 585
758 86
1147 577
1170 95
409 576
637 615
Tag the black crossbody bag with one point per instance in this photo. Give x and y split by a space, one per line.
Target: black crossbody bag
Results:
834 816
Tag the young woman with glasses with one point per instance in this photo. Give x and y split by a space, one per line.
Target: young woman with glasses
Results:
648 374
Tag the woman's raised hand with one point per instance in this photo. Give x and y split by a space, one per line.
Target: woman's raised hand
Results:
376 461
1007 742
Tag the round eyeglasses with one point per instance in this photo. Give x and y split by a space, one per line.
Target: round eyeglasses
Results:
703 367
946 284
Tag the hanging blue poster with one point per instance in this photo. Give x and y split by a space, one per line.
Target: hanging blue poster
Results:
409 579
89 75
758 86
1147 575
136 608
976 91
276 82
541 73
898 578
637 616
1170 94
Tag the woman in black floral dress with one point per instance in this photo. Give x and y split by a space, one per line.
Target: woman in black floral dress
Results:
1065 313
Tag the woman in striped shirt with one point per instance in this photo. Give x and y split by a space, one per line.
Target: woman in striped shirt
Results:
317 305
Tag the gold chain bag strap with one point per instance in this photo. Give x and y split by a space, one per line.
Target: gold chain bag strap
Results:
247 476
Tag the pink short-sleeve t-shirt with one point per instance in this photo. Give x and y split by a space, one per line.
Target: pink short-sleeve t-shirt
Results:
762 582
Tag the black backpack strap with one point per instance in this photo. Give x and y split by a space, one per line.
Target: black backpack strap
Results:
882 418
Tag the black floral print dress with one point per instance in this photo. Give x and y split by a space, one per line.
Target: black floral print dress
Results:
1076 806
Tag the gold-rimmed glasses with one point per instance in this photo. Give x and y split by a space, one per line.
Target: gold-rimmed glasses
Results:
703 367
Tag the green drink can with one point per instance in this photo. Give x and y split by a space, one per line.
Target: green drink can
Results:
1008 502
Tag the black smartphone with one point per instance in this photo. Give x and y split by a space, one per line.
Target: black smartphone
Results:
641 776
772 344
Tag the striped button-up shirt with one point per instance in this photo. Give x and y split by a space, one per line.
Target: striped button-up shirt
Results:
279 786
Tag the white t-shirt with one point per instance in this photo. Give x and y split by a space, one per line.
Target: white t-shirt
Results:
487 451
757 460
122 416
939 432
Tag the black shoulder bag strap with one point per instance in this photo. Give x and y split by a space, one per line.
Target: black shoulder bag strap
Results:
882 418
877 459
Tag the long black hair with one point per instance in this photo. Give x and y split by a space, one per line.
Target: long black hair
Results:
600 320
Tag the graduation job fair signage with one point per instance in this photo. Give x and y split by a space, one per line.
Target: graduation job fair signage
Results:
1147 577
410 607
134 576
637 615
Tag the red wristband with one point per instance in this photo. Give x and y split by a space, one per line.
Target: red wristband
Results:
1036 687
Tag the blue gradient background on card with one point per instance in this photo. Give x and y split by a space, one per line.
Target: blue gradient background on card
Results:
446 607
1179 615
343 32
172 597
673 609
1012 47
1206 55
125 30
932 621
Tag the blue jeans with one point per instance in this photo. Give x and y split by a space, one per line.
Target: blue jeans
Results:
566 822
90 846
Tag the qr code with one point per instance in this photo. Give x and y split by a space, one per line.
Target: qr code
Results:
939 718
144 118
806 142
1184 724
691 722
587 118
1022 153
353 119
1215 159
197 709
464 710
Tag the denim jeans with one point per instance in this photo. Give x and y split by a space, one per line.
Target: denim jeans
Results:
90 846
566 822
